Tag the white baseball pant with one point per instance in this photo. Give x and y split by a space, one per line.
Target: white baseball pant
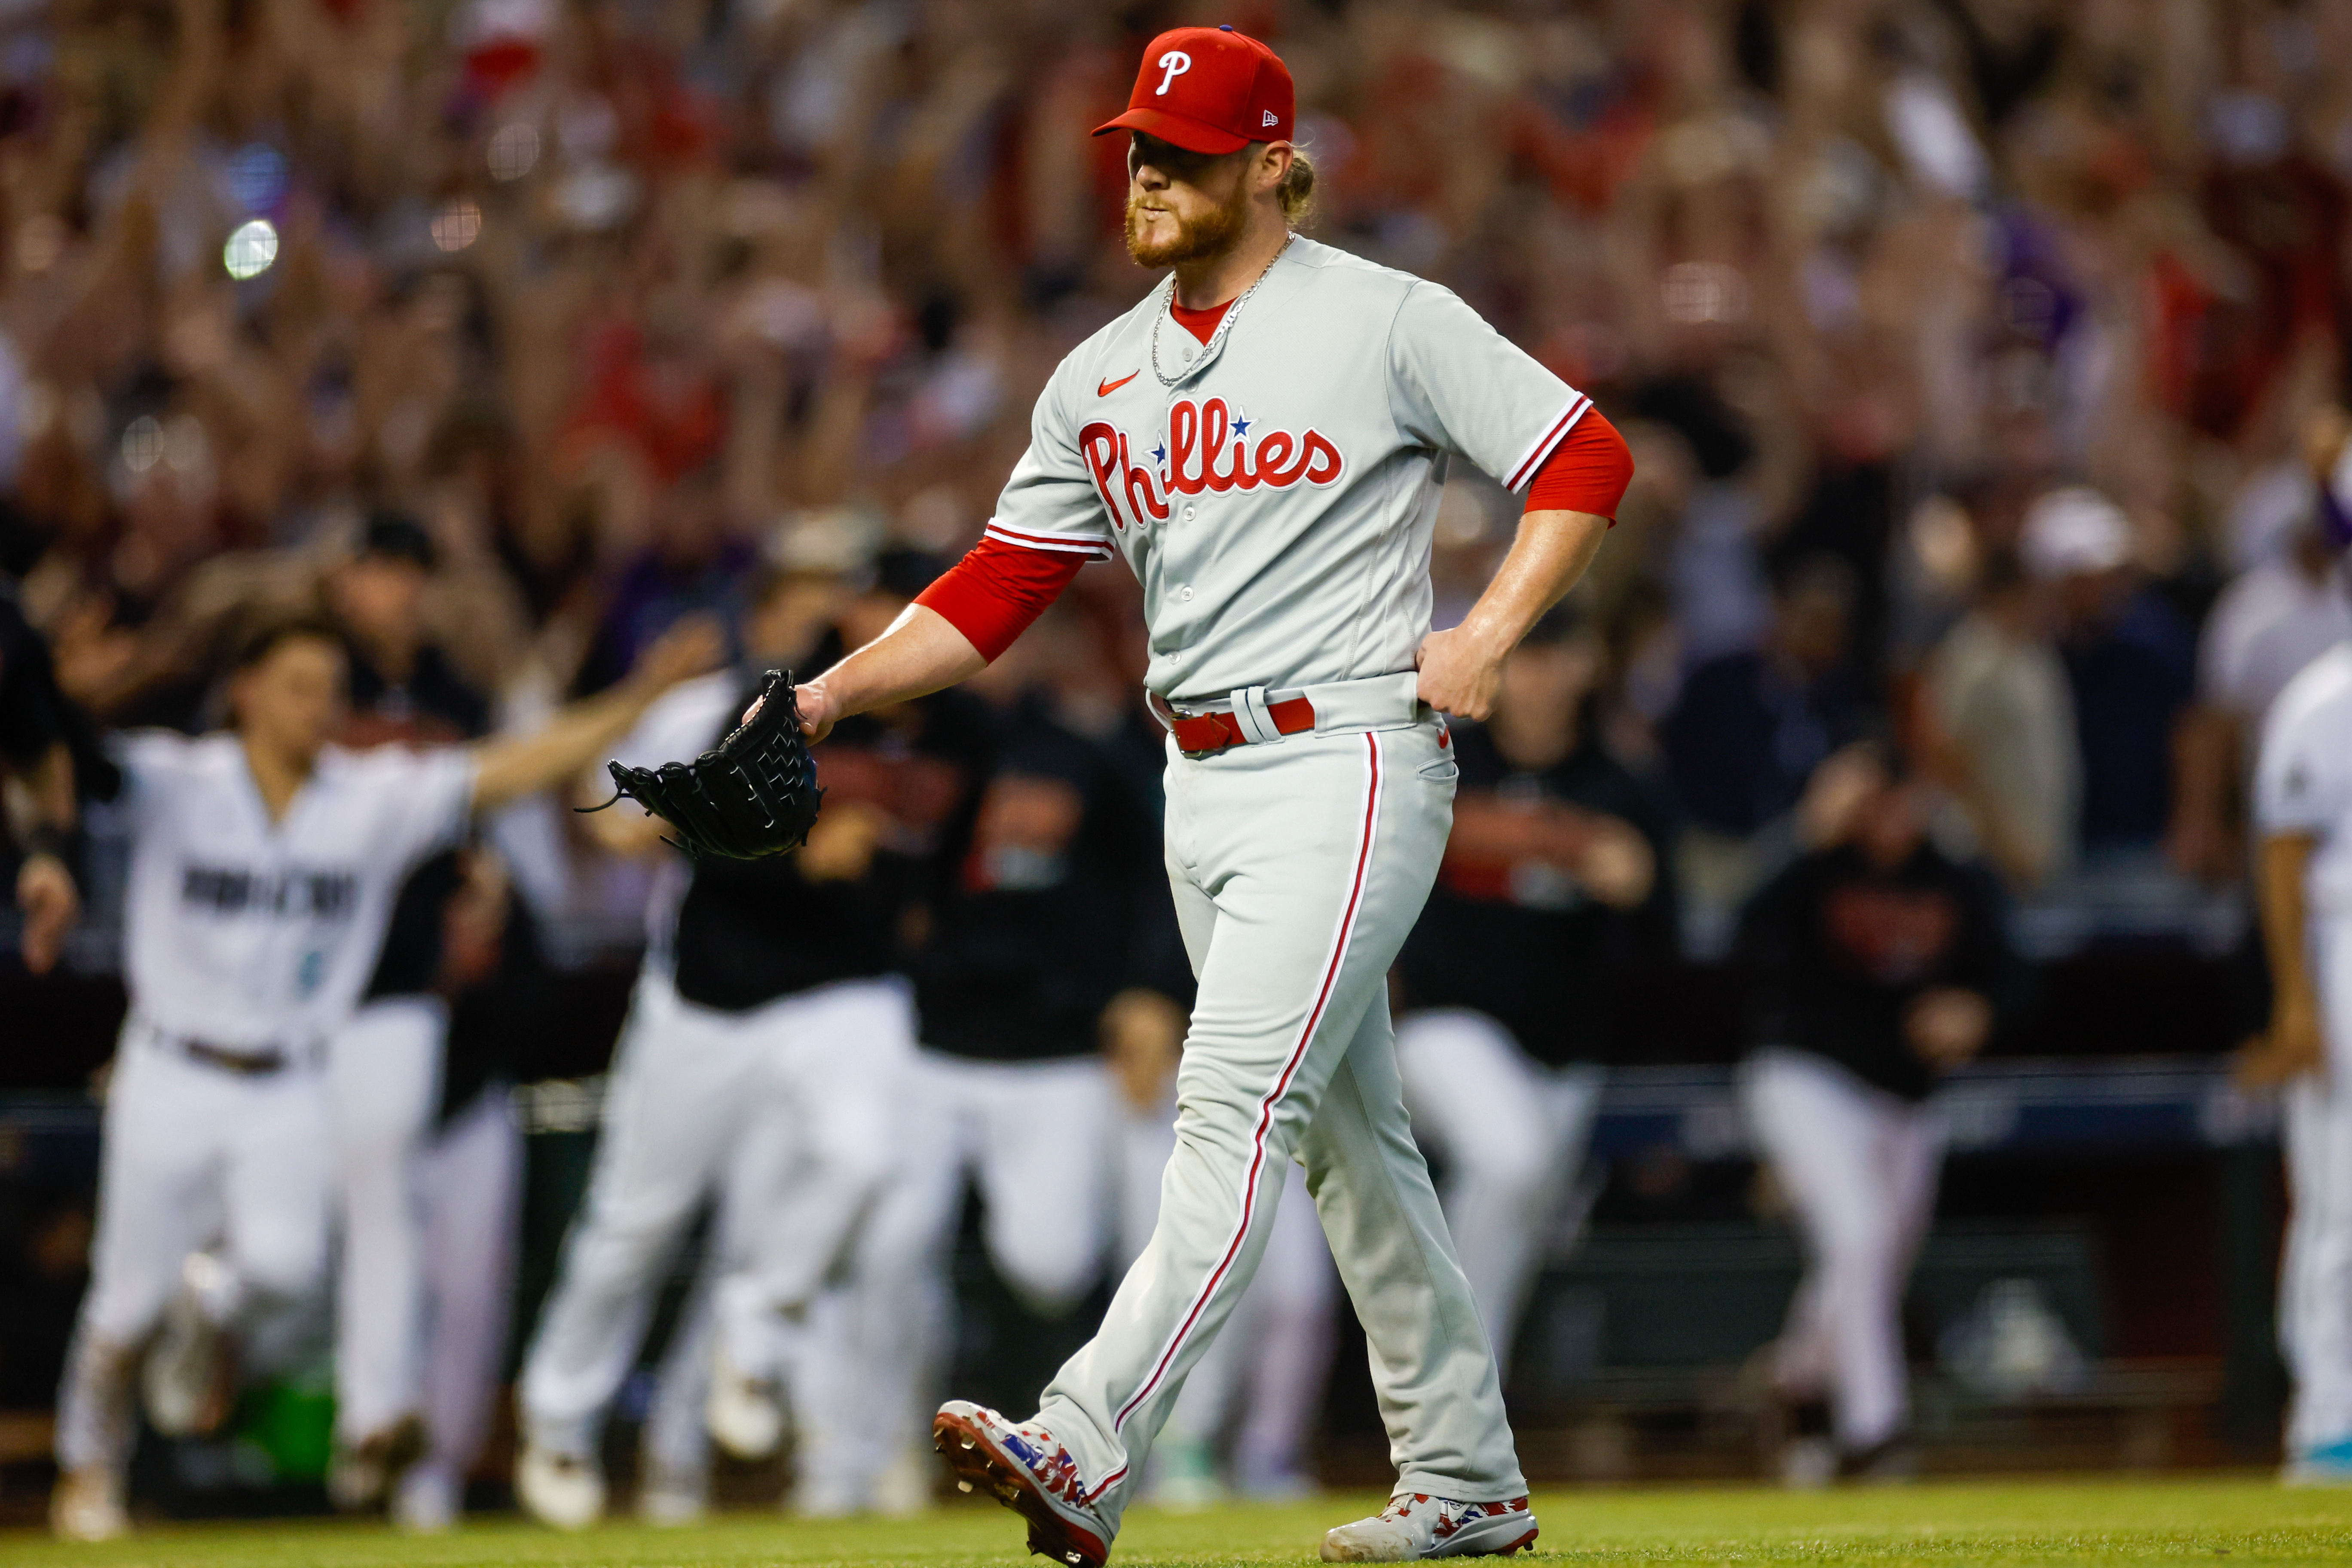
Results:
1264 1376
1004 1122
469 1190
195 1157
871 1384
839 1090
675 1445
2314 1317
1298 866
1859 1167
383 1089
1512 1133
688 1085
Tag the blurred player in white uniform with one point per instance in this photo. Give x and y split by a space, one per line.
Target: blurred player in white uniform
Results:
1051 854
826 1307
263 867
752 1072
2303 806
2303 879
427 1160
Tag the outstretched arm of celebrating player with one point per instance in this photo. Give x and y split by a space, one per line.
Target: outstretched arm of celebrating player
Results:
506 769
1462 668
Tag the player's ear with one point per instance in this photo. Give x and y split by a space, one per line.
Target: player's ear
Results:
1272 163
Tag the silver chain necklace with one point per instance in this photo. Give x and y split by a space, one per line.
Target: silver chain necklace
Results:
1217 335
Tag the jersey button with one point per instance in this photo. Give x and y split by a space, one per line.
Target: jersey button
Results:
1188 515
1185 594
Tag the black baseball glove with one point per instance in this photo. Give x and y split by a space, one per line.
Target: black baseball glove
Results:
755 794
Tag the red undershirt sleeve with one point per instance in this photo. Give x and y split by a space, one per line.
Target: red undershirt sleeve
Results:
1587 471
998 589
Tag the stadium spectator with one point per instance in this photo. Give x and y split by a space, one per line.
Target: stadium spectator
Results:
1750 727
2131 665
2003 718
609 299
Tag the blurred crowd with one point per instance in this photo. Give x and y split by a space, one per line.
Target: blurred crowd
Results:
1981 360
1965 345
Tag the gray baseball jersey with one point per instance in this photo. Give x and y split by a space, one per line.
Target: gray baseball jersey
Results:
1276 501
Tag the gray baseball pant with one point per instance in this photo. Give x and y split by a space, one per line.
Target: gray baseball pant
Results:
1298 866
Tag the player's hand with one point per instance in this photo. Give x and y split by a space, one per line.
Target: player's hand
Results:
693 645
1836 794
2294 1046
1459 673
1948 1026
818 710
46 893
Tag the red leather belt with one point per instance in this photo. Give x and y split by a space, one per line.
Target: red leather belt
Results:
1203 732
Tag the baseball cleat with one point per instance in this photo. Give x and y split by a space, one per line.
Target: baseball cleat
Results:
565 1490
1028 1469
744 1413
2328 1465
363 1474
87 1506
1415 1525
186 1381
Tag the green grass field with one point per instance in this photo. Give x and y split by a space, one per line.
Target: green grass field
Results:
2108 1523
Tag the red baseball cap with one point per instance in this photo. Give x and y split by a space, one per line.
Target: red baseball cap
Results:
1208 90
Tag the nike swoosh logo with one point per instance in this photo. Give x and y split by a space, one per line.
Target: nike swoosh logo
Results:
1105 388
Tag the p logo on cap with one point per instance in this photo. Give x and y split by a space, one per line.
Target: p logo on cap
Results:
1208 90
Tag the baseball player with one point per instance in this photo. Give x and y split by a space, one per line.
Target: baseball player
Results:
1046 860
1549 880
2303 809
1875 964
770 1001
384 1066
1263 438
263 865
2304 806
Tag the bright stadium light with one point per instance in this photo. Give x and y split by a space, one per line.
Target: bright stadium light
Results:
142 443
456 224
251 249
514 151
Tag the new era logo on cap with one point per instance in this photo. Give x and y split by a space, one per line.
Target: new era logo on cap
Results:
1208 90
